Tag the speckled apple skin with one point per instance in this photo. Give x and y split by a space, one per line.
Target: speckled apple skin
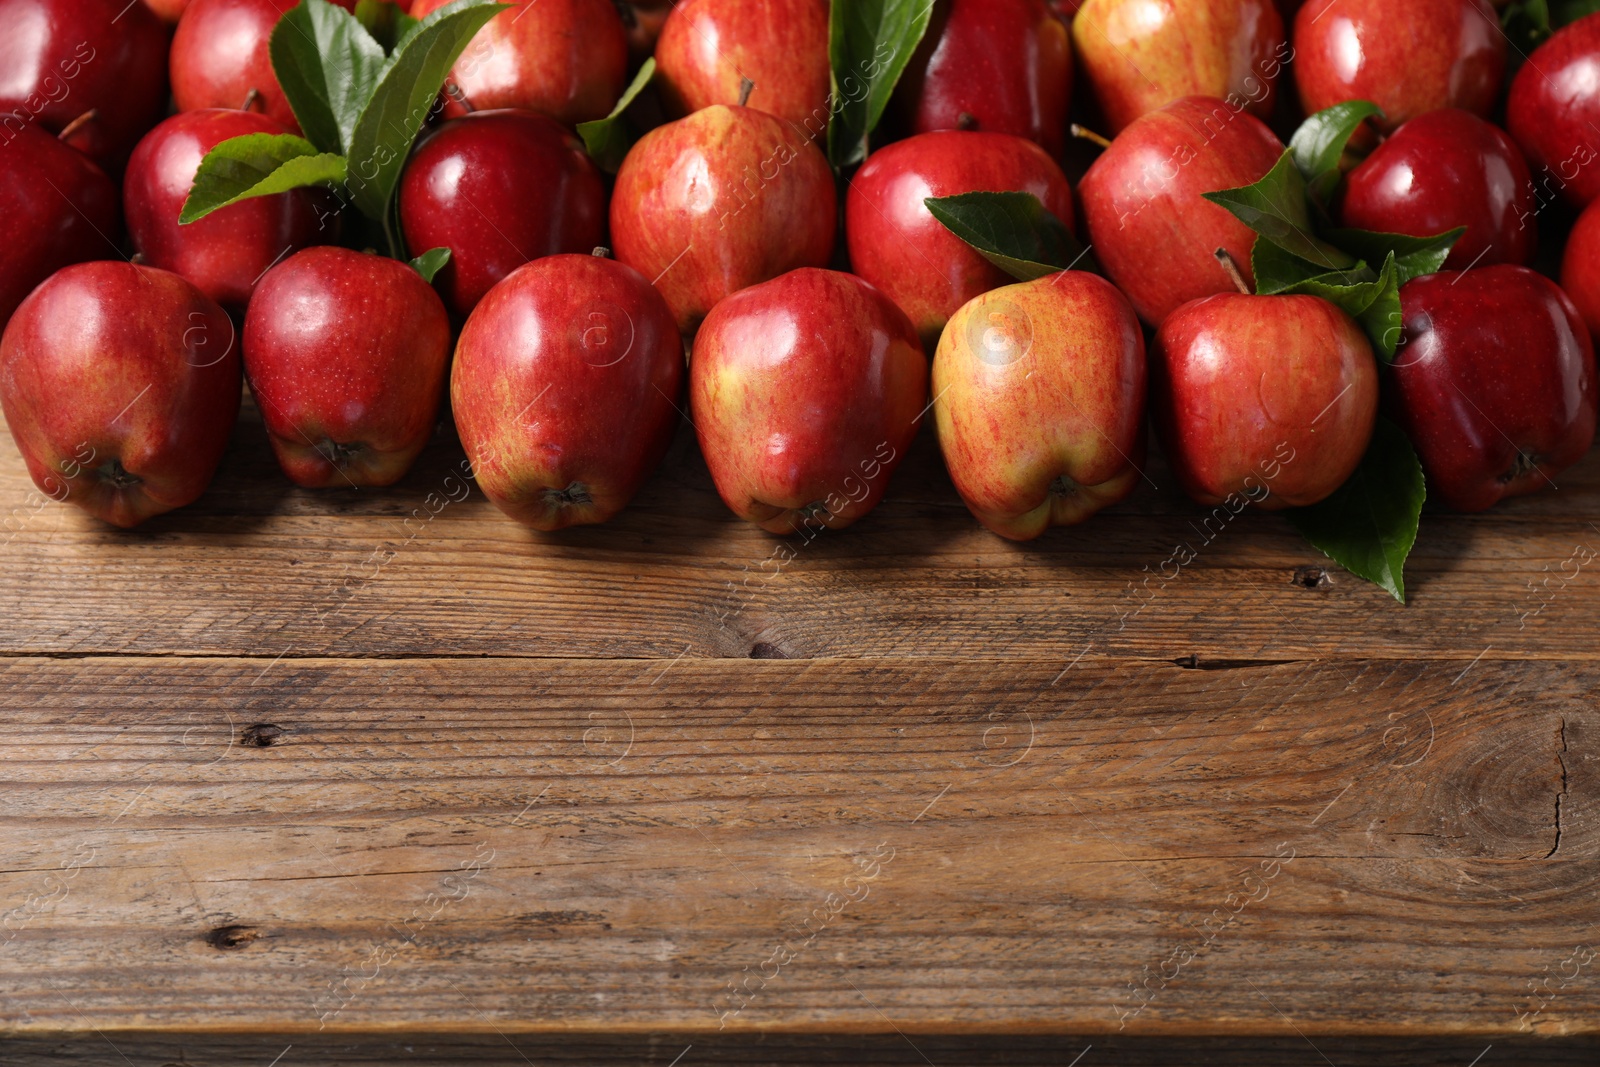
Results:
346 354
111 363
1553 111
1266 398
708 47
1039 399
806 392
724 199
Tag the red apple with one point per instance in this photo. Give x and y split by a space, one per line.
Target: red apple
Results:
1002 66
168 11
564 58
1141 55
60 59
499 188
228 251
1408 58
346 354
644 21
219 56
708 48
56 208
897 244
1554 109
1495 383
806 392
1150 227
1039 398
1580 268
721 200
1445 169
1269 399
121 385
565 389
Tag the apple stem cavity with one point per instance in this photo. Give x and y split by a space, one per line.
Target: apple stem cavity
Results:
1235 275
576 493
118 476
1085 134
77 124
966 121
746 87
250 99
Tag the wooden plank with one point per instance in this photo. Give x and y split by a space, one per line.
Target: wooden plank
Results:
1341 849
258 568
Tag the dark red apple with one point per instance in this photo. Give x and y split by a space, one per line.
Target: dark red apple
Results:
56 208
346 354
564 58
121 384
721 200
60 59
228 251
898 246
1001 66
1264 399
1409 58
805 392
708 48
1149 225
499 188
565 388
1554 109
1495 383
644 20
1445 169
1580 268
1140 55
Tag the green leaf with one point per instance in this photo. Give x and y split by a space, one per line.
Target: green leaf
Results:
385 21
1413 256
608 139
870 43
1374 304
328 65
1276 208
257 164
1369 524
1011 230
430 263
1573 10
1319 144
1278 271
1526 25
405 94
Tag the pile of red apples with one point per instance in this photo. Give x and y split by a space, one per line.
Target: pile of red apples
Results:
800 304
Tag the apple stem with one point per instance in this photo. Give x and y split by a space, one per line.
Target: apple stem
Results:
78 123
250 99
453 91
137 259
1234 273
966 121
601 252
1086 134
746 87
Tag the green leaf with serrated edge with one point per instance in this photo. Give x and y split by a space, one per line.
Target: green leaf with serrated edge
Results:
1276 208
869 44
328 66
1369 524
1374 304
257 164
405 94
1277 270
430 263
1413 256
608 139
1012 230
385 21
1319 144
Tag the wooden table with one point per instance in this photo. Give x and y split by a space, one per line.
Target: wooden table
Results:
379 776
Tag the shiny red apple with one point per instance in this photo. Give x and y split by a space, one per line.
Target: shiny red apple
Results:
1407 57
499 188
805 392
708 48
1580 268
724 199
1140 55
1149 225
56 208
1264 399
897 244
121 385
1495 383
565 389
228 251
1039 393
564 58
61 59
1001 66
1554 113
346 354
